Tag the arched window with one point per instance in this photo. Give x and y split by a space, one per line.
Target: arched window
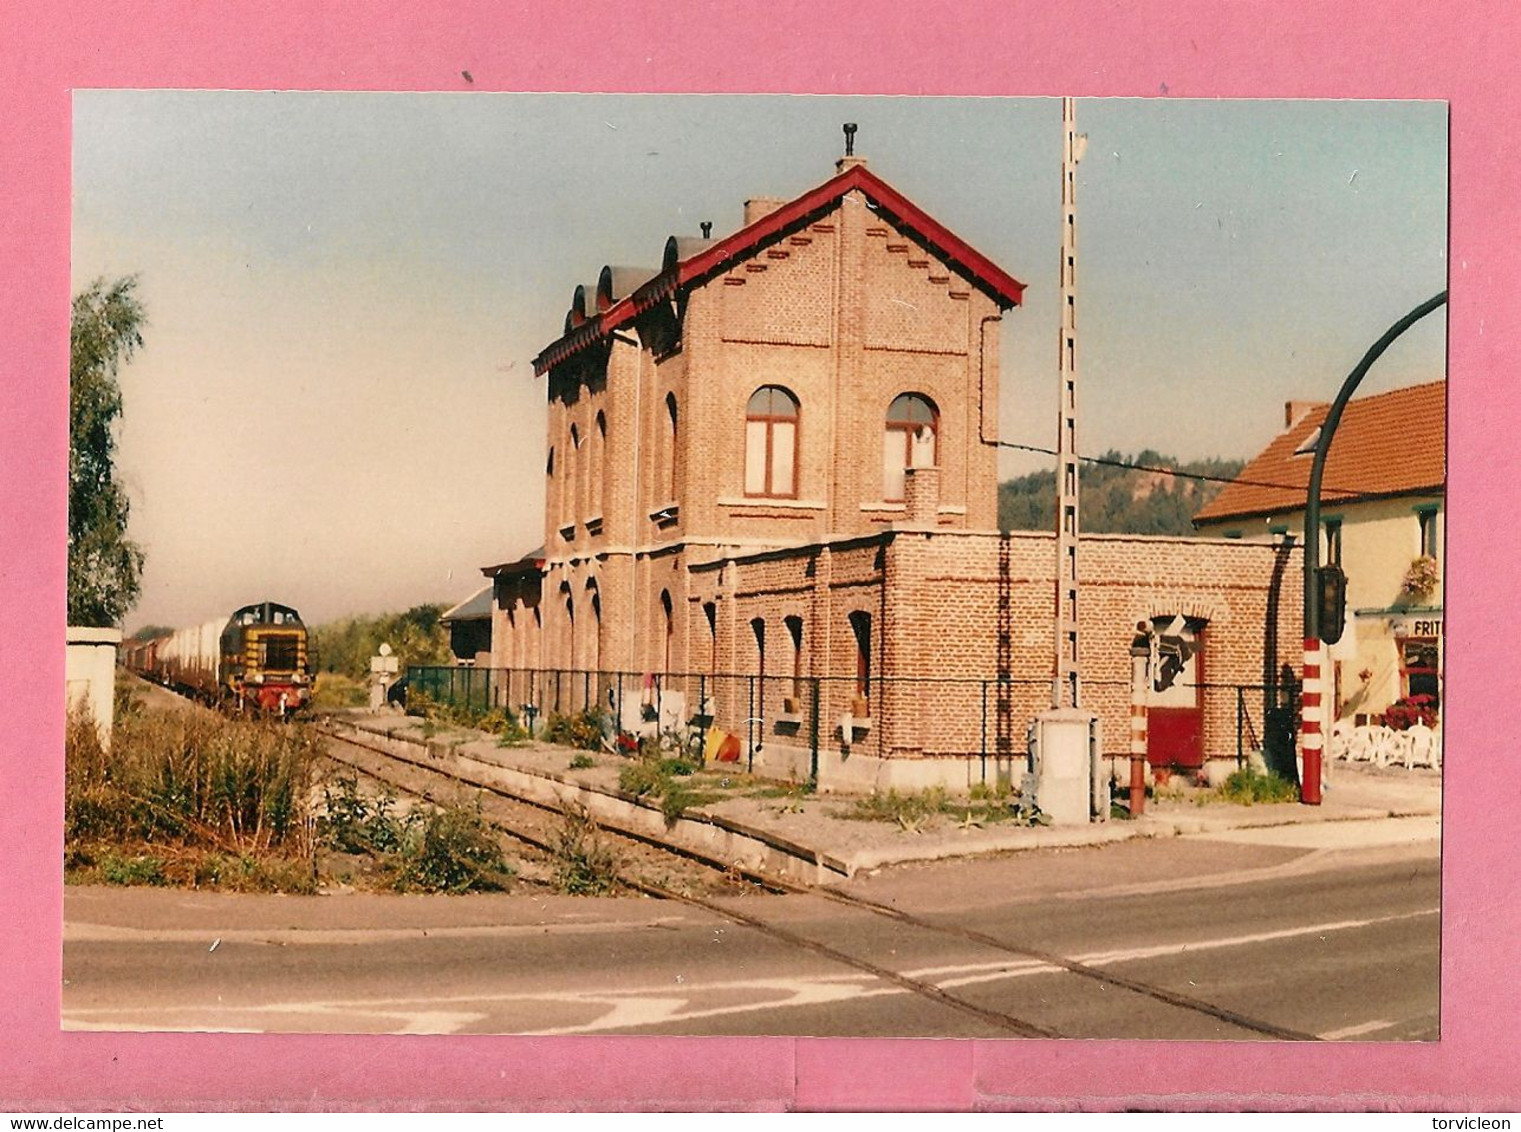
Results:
710 611
860 629
771 443
574 474
670 631
598 469
758 627
670 448
795 634
910 440
594 662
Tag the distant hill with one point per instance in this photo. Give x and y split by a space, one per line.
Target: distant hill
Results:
1118 500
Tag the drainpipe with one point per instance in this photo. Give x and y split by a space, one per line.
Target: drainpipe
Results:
1140 658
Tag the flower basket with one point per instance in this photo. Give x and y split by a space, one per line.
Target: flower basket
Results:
1422 579
1404 714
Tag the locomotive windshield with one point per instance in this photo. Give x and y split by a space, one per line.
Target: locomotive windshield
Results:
266 613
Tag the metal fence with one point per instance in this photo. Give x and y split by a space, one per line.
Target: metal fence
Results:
800 716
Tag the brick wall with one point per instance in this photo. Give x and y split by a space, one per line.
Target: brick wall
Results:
934 603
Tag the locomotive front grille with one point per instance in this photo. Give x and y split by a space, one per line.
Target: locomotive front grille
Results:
279 654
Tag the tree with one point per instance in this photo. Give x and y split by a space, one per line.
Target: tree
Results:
105 329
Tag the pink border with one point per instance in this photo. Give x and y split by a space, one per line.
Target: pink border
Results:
1177 48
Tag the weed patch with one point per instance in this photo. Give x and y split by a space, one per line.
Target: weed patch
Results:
665 780
190 779
918 810
1248 787
451 850
586 730
584 864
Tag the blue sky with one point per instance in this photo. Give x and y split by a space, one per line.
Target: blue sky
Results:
336 406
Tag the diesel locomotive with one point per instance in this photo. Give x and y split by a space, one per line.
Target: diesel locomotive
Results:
255 660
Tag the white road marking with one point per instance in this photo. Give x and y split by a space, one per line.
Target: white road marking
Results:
1354 1031
628 1008
1336 834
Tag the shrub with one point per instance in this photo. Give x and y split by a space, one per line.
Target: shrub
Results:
585 865
118 869
1405 713
452 850
582 762
641 778
911 808
189 778
586 729
1248 787
336 690
354 823
498 721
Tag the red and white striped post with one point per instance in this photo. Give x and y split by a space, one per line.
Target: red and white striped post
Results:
1140 657
1311 739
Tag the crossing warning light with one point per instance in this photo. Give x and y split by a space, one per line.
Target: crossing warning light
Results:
1333 602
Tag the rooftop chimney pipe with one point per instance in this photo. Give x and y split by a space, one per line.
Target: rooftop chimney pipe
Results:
707 229
850 139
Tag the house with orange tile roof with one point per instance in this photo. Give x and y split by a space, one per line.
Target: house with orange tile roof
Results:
1382 502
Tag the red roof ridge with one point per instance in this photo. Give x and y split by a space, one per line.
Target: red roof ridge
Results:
998 284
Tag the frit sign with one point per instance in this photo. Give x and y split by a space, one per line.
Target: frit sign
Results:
1416 626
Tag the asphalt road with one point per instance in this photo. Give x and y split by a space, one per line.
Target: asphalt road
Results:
1331 933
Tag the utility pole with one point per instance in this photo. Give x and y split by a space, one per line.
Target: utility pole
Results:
1065 748
1066 684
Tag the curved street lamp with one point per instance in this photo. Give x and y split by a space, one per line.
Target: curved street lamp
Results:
1310 737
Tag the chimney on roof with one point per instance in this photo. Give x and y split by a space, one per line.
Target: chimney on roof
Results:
756 207
850 159
1295 410
707 229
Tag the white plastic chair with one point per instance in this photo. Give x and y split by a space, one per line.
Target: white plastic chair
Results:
1422 747
1360 745
1385 746
1339 741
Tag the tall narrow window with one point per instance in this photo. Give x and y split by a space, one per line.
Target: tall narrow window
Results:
595 663
597 472
795 635
574 474
710 611
670 631
570 630
860 628
909 440
758 627
771 443
670 447
1333 542
1427 517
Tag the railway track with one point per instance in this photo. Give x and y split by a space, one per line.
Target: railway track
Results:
696 879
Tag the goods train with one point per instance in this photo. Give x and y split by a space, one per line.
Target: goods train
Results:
255 660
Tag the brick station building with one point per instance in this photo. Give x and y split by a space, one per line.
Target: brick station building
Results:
775 455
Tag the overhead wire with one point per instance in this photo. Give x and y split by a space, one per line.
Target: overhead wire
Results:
1349 492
